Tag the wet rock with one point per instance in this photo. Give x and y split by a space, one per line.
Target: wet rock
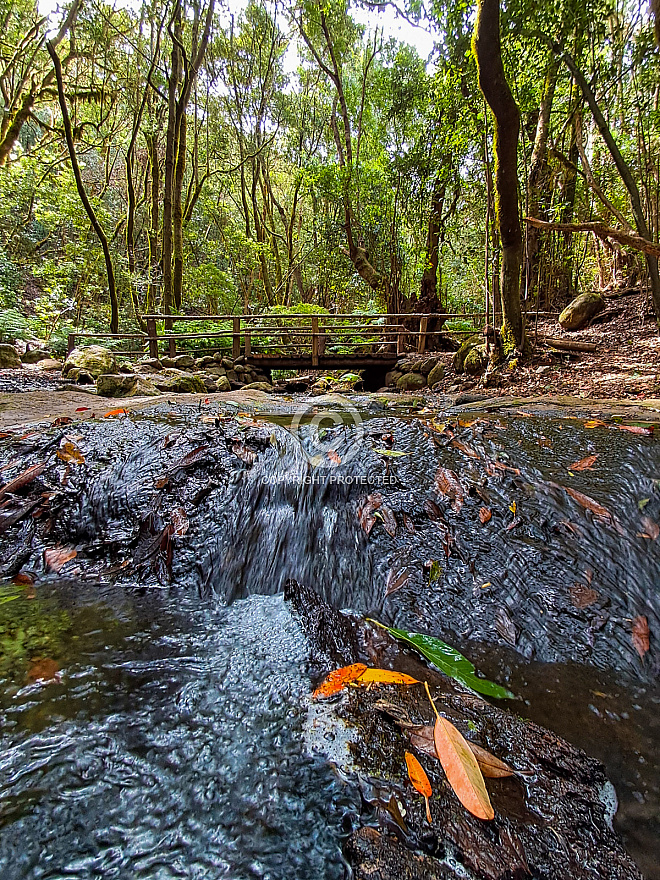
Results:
579 312
94 359
553 817
179 381
9 358
34 355
184 362
223 384
411 382
124 385
437 374
258 386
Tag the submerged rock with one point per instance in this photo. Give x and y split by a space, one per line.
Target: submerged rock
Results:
94 359
581 310
553 817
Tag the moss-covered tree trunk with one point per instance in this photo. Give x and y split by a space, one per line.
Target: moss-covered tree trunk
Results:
495 88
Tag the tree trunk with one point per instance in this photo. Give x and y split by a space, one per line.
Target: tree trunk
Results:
428 296
625 173
171 145
496 91
154 220
87 205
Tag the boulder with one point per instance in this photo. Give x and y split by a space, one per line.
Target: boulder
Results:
94 359
9 357
34 355
167 363
476 360
184 362
179 382
209 382
149 365
392 377
126 367
124 385
239 369
48 365
437 374
258 386
411 382
227 363
426 366
581 310
465 349
80 377
232 375
216 371
222 384
205 361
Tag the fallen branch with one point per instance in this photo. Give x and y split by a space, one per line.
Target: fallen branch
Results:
568 344
605 233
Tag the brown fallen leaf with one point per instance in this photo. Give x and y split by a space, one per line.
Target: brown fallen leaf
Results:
366 508
62 420
245 454
396 580
583 597
641 635
23 479
485 515
420 781
491 767
584 463
465 449
448 484
493 466
637 429
505 626
589 503
69 452
338 679
43 669
24 578
409 525
56 558
462 769
651 528
389 520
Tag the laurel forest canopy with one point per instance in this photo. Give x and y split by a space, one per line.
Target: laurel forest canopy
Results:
193 157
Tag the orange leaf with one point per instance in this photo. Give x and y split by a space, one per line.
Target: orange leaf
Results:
465 449
115 412
385 676
583 463
422 739
462 769
338 679
448 484
640 635
70 452
420 781
485 515
56 558
333 456
589 503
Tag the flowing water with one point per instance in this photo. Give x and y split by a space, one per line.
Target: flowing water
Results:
171 741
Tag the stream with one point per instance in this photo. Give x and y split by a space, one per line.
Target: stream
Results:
168 738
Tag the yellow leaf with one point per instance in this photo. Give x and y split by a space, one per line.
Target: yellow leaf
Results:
385 676
462 769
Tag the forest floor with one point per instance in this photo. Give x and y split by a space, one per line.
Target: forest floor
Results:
626 363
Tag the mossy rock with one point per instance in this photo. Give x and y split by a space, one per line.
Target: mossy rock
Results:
9 358
124 385
34 355
223 384
436 375
476 360
179 382
411 382
464 350
581 310
258 386
94 359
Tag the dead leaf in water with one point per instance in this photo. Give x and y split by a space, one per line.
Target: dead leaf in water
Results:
641 635
485 515
245 454
43 669
396 580
583 597
637 429
409 525
462 769
366 509
448 484
333 456
584 463
69 452
338 679
420 781
180 523
112 413
465 449
651 528
389 520
589 503
23 479
56 558
595 423
505 626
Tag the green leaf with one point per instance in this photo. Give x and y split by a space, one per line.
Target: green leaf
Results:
391 453
451 662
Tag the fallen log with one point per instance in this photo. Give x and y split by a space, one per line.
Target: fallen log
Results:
568 344
606 233
552 817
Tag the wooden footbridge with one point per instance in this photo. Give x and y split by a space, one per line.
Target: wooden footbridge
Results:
286 341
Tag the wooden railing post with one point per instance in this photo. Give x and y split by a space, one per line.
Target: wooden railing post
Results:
236 338
421 342
315 341
172 346
70 343
152 334
247 344
400 339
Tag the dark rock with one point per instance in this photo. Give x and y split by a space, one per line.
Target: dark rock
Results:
149 365
232 375
34 355
411 382
579 312
425 367
178 382
126 367
9 358
184 362
205 361
227 363
437 374
167 363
